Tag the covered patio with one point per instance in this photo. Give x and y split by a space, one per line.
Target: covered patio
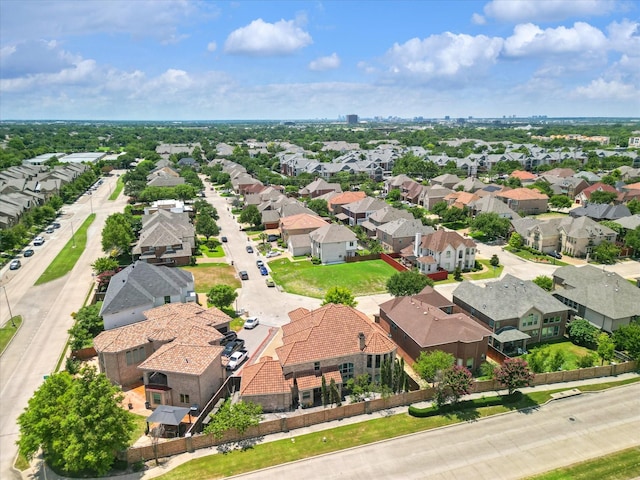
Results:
510 341
170 419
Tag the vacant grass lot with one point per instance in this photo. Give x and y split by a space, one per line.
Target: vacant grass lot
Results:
207 275
304 278
69 255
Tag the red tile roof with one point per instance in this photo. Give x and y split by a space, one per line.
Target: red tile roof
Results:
179 358
523 194
263 378
599 186
522 175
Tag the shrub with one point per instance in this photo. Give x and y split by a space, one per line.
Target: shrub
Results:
586 361
315 260
581 332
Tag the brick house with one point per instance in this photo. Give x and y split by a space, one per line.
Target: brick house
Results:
441 250
527 201
166 238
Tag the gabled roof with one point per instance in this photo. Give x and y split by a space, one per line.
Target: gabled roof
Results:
403 227
264 377
332 233
141 283
490 204
388 214
345 198
330 332
599 186
601 211
367 204
441 239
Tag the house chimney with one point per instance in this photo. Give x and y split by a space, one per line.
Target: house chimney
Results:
416 244
361 338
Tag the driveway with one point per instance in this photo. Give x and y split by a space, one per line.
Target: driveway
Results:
504 447
46 312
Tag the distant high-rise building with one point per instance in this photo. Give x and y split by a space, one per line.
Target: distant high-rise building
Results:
352 119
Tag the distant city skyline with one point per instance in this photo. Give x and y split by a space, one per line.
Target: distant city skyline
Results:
292 60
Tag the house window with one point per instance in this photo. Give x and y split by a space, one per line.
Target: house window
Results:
135 356
167 299
470 363
551 320
184 398
346 370
529 321
316 366
351 244
369 361
448 254
550 331
156 398
378 361
306 395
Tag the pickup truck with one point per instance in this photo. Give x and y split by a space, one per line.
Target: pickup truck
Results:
236 359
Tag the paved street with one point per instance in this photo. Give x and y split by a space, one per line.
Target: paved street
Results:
46 311
503 447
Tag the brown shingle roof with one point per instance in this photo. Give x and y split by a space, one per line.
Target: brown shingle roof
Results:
438 241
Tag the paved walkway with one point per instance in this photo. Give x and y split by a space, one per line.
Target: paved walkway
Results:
38 469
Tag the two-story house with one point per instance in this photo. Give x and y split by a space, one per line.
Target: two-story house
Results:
441 250
333 243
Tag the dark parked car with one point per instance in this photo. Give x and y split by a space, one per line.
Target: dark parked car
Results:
224 239
14 265
249 249
231 347
555 254
55 225
264 271
28 252
259 263
229 336
244 275
272 238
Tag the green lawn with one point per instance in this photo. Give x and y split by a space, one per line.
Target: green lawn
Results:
490 273
117 190
217 253
304 278
69 255
538 258
572 353
621 465
263 455
140 427
8 331
206 275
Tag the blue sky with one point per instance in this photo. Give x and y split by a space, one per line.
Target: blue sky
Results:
190 60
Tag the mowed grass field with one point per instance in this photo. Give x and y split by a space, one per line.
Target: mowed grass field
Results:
304 278
207 275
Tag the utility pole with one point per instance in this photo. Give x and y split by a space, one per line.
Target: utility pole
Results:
8 306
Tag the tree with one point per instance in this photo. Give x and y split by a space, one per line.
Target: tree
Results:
560 201
601 196
319 205
88 324
606 347
627 338
606 252
339 295
514 373
222 295
456 381
429 364
515 241
239 417
490 224
251 215
494 261
439 208
118 233
77 421
206 225
634 206
104 264
408 282
394 195
581 332
544 282
632 240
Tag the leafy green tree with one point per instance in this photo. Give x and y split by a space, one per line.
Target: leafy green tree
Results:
222 295
394 195
514 373
494 261
606 347
632 240
537 358
606 252
118 233
104 264
429 364
586 361
556 361
627 338
439 208
490 224
77 421
250 214
339 295
515 241
206 225
560 201
360 387
545 282
581 332
407 282
239 417
601 196
455 214
487 369
634 206
88 324
319 205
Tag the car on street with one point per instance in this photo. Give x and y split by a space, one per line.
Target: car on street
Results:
251 322
249 249
236 359
38 241
264 271
14 265
555 254
55 225
244 275
269 281
231 347
49 229
28 252
224 239
259 263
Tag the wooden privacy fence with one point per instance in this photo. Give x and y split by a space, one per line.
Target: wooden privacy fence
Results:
292 421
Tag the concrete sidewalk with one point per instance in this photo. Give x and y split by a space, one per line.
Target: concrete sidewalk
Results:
38 467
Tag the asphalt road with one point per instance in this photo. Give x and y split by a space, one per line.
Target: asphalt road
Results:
504 447
46 312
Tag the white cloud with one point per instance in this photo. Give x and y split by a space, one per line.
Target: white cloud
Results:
478 19
443 56
516 11
321 64
212 46
530 40
260 38
601 89
625 37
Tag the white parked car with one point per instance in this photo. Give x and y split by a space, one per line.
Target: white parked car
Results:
38 241
236 359
251 322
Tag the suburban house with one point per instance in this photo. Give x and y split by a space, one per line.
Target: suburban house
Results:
518 312
129 354
461 199
432 195
300 224
523 176
603 298
525 201
382 216
336 201
426 322
569 186
166 238
601 211
357 213
469 184
140 287
333 243
397 234
584 196
490 204
165 181
441 250
263 383
396 182
447 180
319 187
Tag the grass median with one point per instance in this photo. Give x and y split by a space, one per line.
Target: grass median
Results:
69 255
8 331
263 455
117 190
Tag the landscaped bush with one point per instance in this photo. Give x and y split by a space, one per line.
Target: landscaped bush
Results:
581 332
315 260
464 405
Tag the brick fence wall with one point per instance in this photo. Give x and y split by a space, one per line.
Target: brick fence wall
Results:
286 423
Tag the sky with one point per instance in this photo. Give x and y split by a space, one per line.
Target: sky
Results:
295 60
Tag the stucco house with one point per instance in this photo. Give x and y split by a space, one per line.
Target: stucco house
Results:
441 250
140 287
333 243
426 322
518 312
603 298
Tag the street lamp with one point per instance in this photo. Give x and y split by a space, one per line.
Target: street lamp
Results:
8 306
